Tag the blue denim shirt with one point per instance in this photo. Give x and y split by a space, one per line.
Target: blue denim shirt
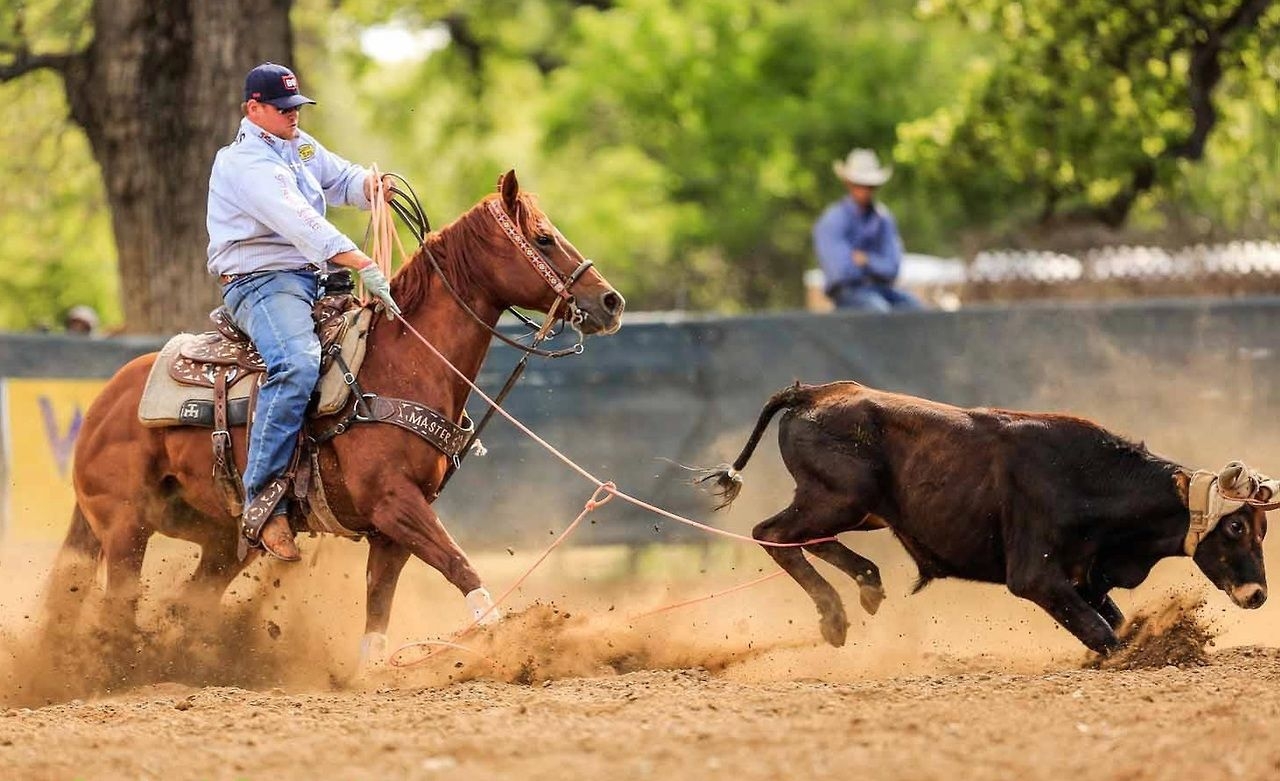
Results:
844 227
267 199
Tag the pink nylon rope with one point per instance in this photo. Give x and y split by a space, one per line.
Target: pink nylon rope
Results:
592 478
605 491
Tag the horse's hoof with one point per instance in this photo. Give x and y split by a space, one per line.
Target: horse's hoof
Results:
835 628
373 655
871 597
483 610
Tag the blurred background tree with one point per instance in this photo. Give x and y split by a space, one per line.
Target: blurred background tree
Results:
1089 111
685 145
152 86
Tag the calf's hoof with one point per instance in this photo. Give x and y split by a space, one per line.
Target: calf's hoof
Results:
871 597
835 627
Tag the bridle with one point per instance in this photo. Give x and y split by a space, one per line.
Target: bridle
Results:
406 205
561 286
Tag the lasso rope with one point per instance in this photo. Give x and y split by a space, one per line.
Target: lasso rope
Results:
382 230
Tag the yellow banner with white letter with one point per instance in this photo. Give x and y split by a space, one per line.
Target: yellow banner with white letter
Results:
41 420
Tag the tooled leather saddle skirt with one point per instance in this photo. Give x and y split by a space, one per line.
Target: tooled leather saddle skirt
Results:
180 389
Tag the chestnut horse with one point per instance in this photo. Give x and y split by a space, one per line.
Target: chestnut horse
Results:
132 482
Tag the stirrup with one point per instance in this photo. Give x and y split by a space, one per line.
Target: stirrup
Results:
257 513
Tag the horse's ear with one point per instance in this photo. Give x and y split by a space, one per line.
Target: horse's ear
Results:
510 189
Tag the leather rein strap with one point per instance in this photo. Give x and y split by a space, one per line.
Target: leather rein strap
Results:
406 206
449 438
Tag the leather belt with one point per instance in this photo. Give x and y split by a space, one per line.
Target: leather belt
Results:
227 279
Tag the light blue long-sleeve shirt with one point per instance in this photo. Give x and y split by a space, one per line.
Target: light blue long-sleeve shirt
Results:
267 200
845 227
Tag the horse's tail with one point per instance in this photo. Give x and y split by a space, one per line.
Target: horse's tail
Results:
726 479
73 572
80 537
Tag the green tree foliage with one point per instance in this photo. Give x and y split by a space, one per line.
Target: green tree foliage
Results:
1087 106
735 110
688 145
56 248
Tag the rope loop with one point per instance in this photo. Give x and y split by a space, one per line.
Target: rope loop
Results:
608 489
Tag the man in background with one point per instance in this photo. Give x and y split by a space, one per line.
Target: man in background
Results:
857 242
81 320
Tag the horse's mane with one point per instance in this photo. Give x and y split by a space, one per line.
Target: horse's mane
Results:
452 245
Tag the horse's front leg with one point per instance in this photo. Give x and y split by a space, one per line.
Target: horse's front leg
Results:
386 560
405 516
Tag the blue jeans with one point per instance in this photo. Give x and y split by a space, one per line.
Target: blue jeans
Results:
872 297
274 309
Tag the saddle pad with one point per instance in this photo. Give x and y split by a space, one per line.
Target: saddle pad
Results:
163 398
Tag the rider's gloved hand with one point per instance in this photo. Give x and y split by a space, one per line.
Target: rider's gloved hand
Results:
378 286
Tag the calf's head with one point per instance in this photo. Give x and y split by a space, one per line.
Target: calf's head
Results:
1228 525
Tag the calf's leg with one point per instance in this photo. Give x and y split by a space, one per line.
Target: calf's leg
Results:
1096 595
785 527
862 570
1055 593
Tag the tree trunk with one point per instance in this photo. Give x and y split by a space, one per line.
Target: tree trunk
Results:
158 93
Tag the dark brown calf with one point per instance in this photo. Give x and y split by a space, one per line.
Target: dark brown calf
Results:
1055 507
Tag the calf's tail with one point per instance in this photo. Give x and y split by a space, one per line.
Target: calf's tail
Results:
726 479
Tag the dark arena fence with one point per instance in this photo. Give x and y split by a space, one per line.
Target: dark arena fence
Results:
1197 379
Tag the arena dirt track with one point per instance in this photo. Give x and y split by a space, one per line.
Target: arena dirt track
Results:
1217 721
962 681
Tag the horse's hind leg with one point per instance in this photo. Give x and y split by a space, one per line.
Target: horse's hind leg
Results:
71 579
785 527
861 569
386 559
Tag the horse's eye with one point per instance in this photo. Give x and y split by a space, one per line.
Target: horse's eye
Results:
1235 527
544 240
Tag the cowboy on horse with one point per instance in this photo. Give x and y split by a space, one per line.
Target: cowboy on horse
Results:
268 243
389 423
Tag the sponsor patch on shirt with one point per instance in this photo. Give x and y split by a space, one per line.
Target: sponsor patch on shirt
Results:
306 151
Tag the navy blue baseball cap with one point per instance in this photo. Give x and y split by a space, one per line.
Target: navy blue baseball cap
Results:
274 84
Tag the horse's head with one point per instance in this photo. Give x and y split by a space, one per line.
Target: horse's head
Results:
540 269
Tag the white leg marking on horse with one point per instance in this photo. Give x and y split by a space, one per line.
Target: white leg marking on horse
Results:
373 652
482 607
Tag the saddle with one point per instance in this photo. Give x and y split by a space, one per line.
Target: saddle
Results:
183 383
227 349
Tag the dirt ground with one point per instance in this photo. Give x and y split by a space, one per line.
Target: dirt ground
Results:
961 681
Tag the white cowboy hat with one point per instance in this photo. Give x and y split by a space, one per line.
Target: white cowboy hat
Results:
862 167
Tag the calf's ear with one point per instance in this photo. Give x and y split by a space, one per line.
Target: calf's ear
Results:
1182 483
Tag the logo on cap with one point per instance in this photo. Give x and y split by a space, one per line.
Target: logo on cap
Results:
290 82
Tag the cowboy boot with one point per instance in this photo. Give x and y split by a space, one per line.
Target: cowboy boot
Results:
277 539
265 522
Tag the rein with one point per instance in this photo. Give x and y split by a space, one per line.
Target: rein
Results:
405 204
415 219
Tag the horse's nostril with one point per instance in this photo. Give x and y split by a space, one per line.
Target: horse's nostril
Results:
1257 599
613 302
